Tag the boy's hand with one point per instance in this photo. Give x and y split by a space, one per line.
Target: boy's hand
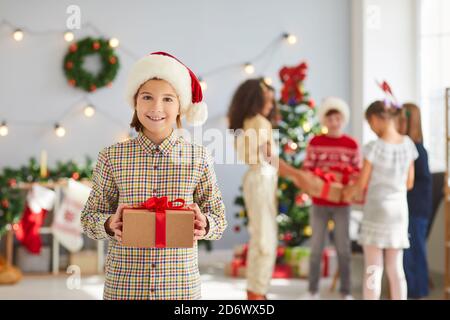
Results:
113 225
348 193
200 222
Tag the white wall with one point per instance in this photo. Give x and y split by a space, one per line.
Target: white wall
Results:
384 47
204 34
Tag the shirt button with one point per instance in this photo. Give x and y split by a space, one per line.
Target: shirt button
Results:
152 290
155 191
153 265
155 167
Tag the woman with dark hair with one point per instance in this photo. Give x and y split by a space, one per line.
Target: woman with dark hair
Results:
250 114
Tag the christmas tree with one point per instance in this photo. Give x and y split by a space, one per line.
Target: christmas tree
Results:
296 123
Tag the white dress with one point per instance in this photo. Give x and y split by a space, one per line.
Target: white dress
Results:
385 220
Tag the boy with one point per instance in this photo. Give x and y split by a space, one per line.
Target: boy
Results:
331 150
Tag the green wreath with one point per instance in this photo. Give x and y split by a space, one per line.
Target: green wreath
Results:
79 77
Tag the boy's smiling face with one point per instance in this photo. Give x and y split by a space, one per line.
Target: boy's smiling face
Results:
334 121
157 107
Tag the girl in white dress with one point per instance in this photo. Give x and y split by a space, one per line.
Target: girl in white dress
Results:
388 172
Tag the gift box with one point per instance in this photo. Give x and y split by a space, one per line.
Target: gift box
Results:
348 176
158 223
298 259
329 262
322 185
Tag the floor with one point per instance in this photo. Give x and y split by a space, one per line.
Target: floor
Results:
215 285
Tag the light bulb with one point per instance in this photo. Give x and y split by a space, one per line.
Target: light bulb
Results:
3 129
324 130
203 84
249 68
306 127
18 35
290 38
69 36
113 42
60 131
89 111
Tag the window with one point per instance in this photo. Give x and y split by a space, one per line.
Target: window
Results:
434 62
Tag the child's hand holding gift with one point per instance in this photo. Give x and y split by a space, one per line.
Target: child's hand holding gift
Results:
113 225
349 193
201 225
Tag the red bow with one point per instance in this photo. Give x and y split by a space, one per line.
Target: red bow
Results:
325 176
291 78
346 171
328 178
160 205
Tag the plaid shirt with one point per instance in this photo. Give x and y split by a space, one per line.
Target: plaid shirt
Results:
130 172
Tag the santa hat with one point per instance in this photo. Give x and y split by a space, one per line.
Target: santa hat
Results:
163 66
333 103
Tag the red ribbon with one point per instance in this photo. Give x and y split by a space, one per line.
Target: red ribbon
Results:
160 205
346 172
327 178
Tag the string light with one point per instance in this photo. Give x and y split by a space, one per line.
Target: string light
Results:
113 42
306 127
290 38
89 111
18 35
249 68
69 36
59 131
203 84
324 130
3 129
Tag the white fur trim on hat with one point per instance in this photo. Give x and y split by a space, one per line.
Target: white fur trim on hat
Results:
197 114
333 103
161 67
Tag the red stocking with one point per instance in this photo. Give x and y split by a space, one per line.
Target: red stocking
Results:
39 201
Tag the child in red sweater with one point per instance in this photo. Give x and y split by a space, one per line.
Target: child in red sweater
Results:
333 150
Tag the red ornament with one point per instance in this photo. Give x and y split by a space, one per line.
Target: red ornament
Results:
237 229
311 103
96 45
280 251
5 203
12 183
287 148
72 82
299 200
93 87
69 65
287 237
75 176
73 47
112 60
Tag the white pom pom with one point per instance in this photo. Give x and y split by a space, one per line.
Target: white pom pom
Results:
197 114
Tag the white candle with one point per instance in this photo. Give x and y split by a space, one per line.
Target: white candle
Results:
43 164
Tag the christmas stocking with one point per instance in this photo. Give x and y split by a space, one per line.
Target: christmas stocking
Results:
39 201
66 225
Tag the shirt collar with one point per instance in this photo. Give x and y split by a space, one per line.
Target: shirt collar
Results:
150 147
